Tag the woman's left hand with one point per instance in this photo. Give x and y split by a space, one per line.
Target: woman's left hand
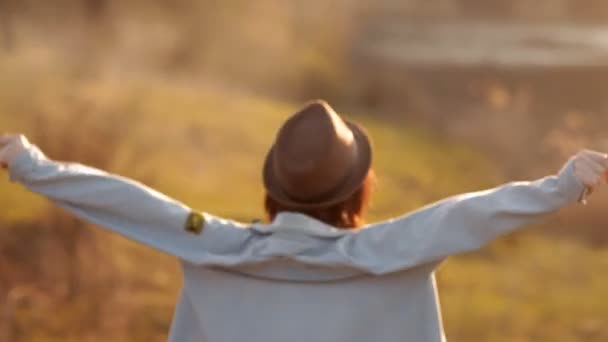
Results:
11 145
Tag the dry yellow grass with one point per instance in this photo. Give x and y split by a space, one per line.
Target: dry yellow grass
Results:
205 147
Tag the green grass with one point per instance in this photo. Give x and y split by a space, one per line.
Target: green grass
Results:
205 146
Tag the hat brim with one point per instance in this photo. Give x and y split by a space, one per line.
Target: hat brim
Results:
349 185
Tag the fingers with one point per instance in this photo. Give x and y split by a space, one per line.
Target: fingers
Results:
595 164
601 158
604 162
6 139
589 177
3 157
591 168
598 165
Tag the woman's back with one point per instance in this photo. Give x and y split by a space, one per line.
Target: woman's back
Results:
281 299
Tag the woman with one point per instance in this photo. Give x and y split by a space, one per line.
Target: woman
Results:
311 274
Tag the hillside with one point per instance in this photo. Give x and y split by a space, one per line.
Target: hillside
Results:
202 144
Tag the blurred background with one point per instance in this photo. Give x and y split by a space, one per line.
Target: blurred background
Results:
185 96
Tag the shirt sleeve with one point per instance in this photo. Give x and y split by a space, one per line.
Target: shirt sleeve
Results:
123 206
462 223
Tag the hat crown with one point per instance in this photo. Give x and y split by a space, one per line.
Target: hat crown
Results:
314 152
318 159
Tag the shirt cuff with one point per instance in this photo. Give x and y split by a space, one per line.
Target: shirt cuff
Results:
570 186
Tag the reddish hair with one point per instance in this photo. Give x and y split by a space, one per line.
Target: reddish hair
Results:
348 214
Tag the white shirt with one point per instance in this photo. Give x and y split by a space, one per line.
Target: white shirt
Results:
299 279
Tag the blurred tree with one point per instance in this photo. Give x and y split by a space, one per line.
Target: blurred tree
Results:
486 8
596 10
539 10
95 9
7 31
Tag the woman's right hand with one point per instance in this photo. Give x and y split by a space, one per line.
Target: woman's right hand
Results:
11 145
591 168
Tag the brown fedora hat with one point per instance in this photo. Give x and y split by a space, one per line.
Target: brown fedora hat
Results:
317 160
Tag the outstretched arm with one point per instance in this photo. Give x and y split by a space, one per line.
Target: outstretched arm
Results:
119 204
467 222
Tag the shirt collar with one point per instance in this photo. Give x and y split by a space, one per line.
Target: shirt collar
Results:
300 223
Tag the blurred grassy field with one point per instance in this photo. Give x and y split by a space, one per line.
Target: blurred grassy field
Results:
205 146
